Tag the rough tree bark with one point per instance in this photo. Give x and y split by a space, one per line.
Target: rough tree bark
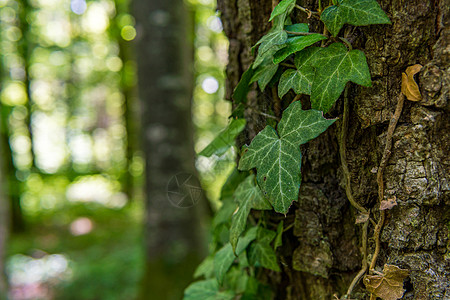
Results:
321 254
173 233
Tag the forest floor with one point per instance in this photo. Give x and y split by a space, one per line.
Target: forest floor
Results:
85 251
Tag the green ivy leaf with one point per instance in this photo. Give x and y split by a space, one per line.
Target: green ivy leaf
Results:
264 255
241 90
278 163
224 258
249 193
225 212
265 236
295 44
264 73
225 139
354 12
279 238
243 261
272 39
251 288
335 66
300 126
277 158
236 280
238 111
222 262
232 182
248 196
206 268
298 80
206 290
301 79
284 7
306 57
238 223
261 252
299 27
255 290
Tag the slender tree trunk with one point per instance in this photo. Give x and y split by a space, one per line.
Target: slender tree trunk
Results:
321 254
174 237
26 46
14 185
128 88
4 222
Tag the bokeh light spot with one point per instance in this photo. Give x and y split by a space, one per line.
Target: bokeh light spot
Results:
114 64
13 34
81 226
78 6
96 19
14 94
214 24
210 85
128 33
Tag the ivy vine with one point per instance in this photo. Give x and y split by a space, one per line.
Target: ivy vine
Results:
240 245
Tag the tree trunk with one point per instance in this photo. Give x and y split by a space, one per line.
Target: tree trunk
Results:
4 223
128 89
174 237
14 185
321 254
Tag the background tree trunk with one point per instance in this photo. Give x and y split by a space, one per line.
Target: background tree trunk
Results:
174 237
4 222
321 254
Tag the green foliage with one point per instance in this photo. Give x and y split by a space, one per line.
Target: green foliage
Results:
225 139
321 72
284 7
206 268
264 255
224 257
279 236
269 44
248 196
241 90
295 44
206 290
264 73
261 253
277 157
354 12
335 66
299 27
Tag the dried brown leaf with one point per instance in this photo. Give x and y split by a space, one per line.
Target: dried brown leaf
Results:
362 218
388 204
388 286
409 86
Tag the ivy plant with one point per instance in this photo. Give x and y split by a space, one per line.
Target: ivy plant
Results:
276 154
269 171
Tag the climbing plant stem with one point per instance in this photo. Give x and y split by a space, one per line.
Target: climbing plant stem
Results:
364 259
276 102
343 155
307 11
384 160
296 98
265 115
388 146
349 46
303 33
288 65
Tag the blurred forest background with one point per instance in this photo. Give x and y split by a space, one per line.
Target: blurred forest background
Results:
73 165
